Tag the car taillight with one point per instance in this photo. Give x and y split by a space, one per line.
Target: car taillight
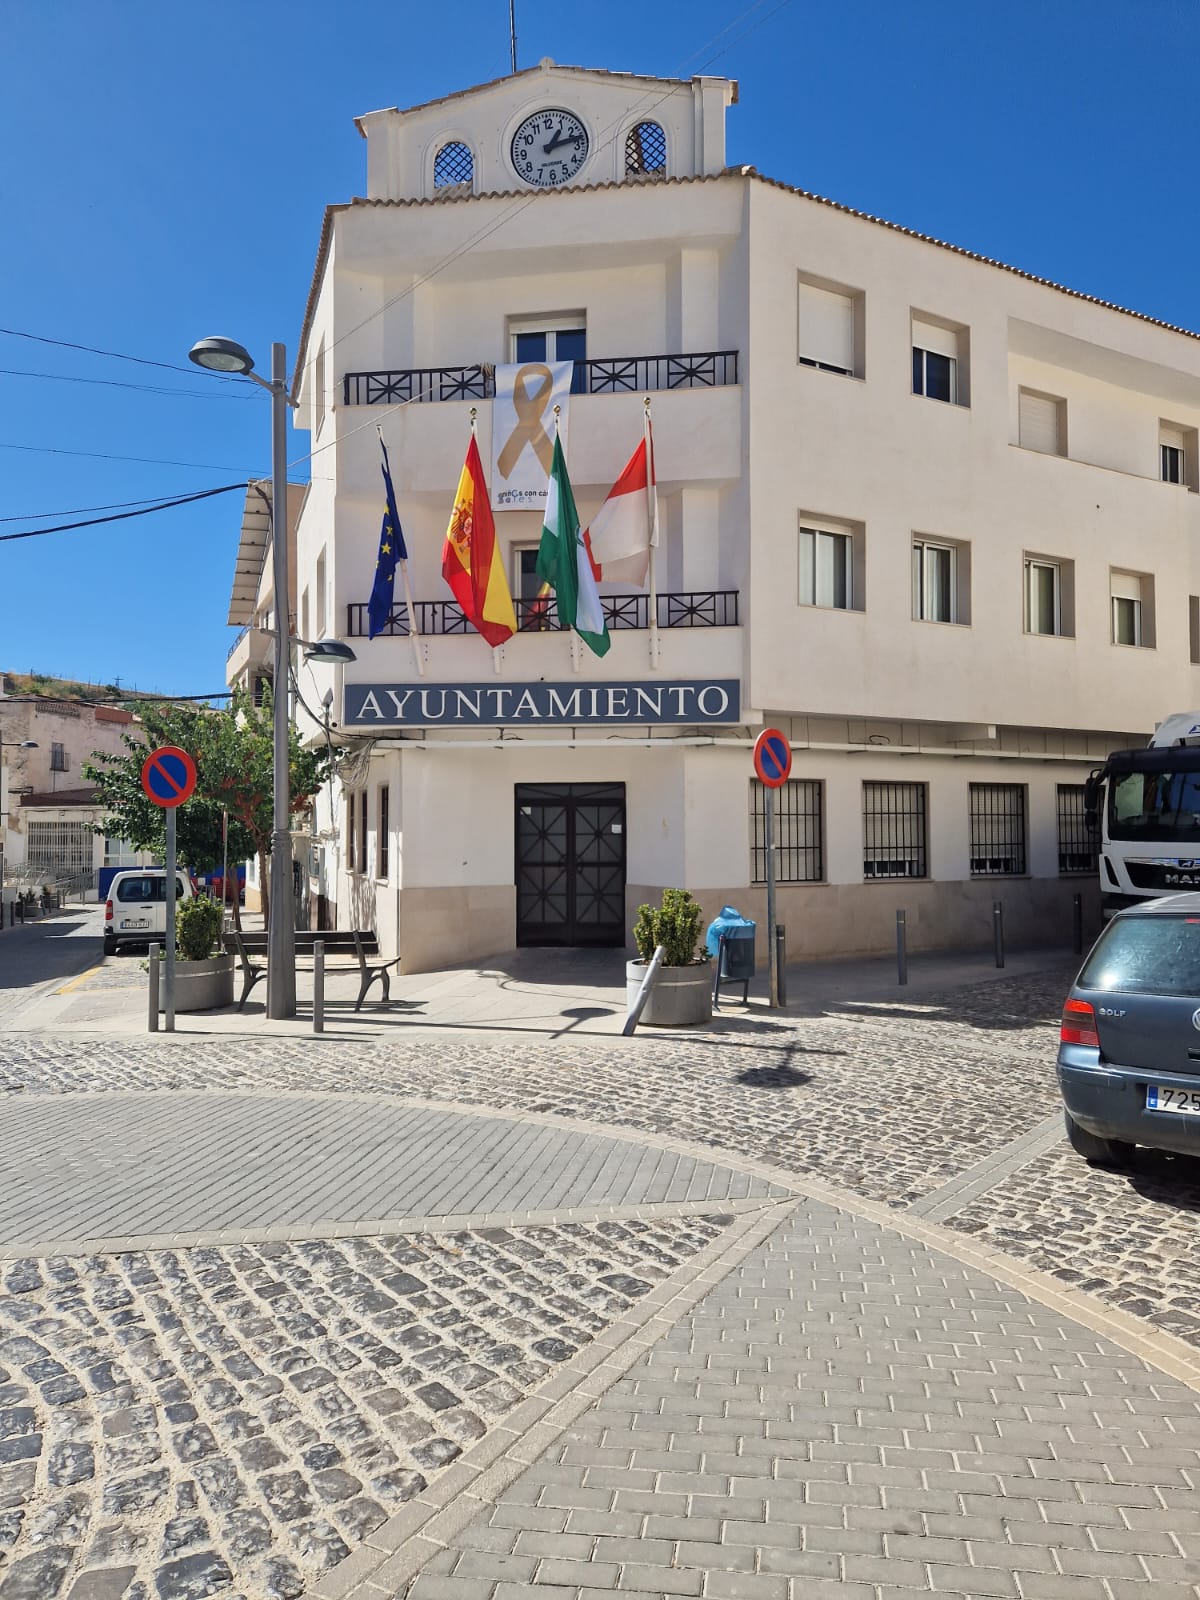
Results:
1079 1024
108 911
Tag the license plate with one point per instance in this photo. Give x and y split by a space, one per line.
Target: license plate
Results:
1160 1098
136 922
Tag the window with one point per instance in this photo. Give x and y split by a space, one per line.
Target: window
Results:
1194 628
1132 608
1076 841
119 853
826 569
321 595
304 633
552 339
997 830
362 833
799 832
150 889
58 758
351 831
1042 423
646 150
939 361
1178 451
453 166
381 847
894 843
826 324
1049 596
532 599
940 581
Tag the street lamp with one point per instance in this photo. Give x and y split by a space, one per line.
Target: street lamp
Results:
227 356
18 744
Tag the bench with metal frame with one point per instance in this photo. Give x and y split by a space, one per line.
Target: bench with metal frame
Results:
357 942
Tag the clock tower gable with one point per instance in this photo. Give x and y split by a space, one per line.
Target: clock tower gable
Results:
548 127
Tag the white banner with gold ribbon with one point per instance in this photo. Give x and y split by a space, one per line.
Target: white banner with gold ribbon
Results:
523 431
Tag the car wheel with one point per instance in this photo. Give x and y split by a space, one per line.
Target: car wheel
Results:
110 946
1102 1152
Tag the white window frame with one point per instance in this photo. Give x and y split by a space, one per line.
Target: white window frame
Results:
923 352
820 308
566 322
809 580
1037 564
1032 407
1171 444
923 549
1117 601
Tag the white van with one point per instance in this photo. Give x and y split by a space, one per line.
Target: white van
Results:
136 909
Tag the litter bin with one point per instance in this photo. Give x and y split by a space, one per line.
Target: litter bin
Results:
730 938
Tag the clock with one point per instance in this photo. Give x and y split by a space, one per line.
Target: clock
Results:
549 148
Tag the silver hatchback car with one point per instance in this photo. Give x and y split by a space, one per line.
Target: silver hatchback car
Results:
1129 1051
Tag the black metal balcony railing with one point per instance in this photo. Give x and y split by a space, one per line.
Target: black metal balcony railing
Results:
704 608
711 369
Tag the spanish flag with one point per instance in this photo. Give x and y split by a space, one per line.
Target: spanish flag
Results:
471 560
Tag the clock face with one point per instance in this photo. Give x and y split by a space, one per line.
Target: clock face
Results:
549 148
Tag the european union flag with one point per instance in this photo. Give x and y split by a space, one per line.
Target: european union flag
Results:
391 551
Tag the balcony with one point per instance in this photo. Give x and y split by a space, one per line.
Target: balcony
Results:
712 369
703 608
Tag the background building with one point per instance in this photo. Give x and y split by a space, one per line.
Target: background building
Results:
931 516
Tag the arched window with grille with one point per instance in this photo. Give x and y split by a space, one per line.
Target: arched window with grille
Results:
453 165
646 150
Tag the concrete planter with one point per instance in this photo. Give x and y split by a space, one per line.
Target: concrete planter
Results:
681 996
201 985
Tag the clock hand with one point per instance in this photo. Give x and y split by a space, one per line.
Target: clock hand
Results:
555 142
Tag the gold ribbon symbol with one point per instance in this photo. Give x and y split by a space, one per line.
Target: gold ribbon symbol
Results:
529 404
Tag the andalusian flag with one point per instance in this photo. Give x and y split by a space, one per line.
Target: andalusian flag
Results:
563 561
471 560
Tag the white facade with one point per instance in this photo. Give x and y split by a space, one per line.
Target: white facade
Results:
924 503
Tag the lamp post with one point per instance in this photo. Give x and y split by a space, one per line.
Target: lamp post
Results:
225 355
21 744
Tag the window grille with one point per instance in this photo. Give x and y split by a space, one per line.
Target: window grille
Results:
58 758
997 826
351 831
646 148
1076 841
362 833
61 849
453 164
799 832
384 824
894 830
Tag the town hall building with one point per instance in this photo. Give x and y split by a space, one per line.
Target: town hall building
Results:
932 517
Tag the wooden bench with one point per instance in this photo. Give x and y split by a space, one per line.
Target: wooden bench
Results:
357 942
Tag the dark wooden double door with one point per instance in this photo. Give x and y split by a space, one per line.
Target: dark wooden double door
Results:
570 863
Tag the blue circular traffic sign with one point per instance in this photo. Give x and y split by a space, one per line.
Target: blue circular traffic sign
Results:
168 775
772 757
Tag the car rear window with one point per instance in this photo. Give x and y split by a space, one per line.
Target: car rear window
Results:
1146 955
146 890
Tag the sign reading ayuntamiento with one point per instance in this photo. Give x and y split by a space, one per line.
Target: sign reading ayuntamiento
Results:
490 705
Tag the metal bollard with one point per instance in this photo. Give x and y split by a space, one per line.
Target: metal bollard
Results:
901 948
1077 924
781 961
154 968
643 994
318 986
998 930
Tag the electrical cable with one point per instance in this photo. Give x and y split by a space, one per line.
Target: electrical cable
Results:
102 455
115 355
115 383
80 511
123 516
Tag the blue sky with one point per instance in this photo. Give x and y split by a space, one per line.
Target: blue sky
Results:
164 170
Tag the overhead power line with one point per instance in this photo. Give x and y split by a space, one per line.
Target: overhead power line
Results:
115 383
122 516
146 461
114 355
83 511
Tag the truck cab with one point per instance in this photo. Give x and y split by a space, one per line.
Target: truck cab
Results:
1146 806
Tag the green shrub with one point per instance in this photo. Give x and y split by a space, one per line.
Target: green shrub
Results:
675 925
197 928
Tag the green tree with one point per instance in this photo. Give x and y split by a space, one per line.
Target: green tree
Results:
233 750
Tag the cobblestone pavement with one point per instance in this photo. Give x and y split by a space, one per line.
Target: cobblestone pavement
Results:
888 1100
93 1171
1129 1237
849 1416
184 1423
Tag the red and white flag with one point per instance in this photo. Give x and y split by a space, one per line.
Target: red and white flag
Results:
626 526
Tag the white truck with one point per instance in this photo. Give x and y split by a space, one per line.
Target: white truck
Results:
1146 806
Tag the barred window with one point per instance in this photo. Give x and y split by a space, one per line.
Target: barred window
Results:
1076 841
351 831
799 831
894 830
381 849
452 165
362 833
58 758
997 828
646 149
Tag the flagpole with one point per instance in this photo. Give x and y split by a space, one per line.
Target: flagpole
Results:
414 632
652 520
496 649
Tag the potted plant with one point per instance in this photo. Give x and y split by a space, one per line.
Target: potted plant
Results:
682 992
203 973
